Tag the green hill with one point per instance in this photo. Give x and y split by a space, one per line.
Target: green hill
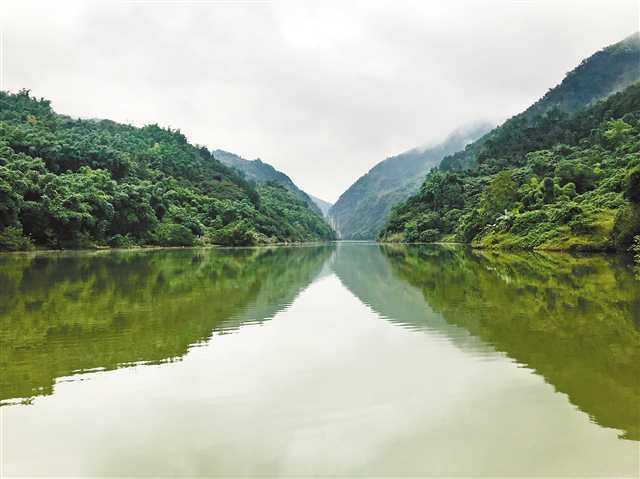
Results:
554 177
70 183
361 211
260 172
608 71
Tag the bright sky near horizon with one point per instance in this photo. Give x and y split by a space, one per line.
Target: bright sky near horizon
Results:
320 90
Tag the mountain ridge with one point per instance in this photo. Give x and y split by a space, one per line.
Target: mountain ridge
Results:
563 174
361 210
611 69
261 172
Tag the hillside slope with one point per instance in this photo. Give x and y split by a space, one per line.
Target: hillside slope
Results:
260 172
578 188
556 176
361 211
607 71
69 183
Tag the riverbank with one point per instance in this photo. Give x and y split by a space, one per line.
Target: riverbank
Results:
504 243
106 249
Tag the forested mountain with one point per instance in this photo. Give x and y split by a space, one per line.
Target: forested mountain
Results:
70 183
361 211
608 71
324 206
564 182
260 172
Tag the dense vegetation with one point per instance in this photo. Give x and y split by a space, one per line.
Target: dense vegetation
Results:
636 250
70 183
361 211
571 318
260 172
294 217
558 180
66 313
579 194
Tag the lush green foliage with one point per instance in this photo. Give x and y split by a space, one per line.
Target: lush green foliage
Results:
260 172
77 183
578 193
361 211
296 219
12 239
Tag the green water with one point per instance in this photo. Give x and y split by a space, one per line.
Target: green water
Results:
351 359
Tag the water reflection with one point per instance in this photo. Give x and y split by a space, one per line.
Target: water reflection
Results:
379 361
369 275
76 312
574 320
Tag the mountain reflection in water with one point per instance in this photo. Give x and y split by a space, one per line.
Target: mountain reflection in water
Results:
573 320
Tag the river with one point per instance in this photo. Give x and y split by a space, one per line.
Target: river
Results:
347 359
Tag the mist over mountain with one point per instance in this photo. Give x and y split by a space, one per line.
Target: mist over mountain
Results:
562 175
607 71
324 206
361 211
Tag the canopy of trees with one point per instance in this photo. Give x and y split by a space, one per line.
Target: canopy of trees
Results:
69 183
569 182
261 172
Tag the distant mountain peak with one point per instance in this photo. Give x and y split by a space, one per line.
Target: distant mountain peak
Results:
362 209
324 206
468 132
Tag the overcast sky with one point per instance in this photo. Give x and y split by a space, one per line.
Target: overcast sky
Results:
321 90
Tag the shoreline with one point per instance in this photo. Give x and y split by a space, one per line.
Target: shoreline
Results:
156 248
607 251
100 250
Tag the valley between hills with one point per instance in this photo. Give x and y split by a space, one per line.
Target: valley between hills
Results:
562 175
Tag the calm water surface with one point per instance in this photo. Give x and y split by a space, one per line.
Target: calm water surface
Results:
352 359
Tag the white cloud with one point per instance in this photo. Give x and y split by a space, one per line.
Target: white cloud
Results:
321 90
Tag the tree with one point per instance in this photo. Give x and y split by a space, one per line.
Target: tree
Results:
235 234
78 183
547 188
632 185
170 234
617 131
500 195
